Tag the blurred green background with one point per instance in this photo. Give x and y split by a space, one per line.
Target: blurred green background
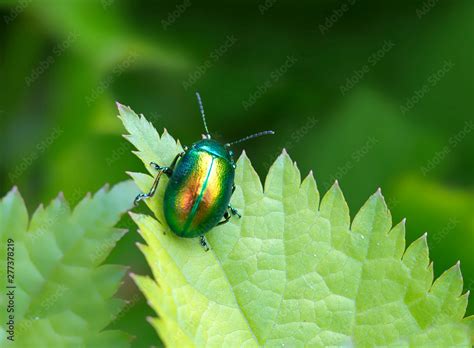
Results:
372 94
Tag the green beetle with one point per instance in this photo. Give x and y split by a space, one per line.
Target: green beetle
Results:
201 183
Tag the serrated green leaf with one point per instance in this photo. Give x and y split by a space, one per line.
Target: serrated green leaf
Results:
292 271
63 295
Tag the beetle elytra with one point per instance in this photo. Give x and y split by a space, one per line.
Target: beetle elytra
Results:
201 183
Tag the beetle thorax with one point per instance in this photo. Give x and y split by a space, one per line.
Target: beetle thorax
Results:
213 147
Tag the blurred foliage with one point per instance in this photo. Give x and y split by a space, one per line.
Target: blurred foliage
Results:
64 63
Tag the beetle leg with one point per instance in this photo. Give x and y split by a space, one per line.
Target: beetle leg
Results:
143 196
161 170
156 166
202 241
234 211
179 155
168 170
226 219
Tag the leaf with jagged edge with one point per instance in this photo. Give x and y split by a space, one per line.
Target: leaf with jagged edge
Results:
64 294
294 270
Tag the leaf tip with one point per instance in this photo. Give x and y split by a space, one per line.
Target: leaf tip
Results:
60 199
135 217
14 192
335 188
120 106
283 157
454 270
310 177
122 231
243 156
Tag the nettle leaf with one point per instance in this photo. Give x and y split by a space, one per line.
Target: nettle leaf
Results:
294 270
63 294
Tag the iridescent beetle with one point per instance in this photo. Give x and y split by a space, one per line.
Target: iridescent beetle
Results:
197 197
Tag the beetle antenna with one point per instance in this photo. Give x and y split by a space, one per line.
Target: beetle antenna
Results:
203 115
256 135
